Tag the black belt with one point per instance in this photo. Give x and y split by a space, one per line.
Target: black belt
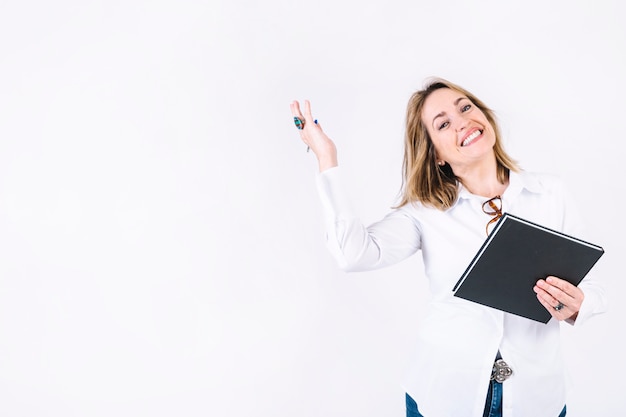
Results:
501 371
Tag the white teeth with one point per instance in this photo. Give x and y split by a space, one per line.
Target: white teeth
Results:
471 137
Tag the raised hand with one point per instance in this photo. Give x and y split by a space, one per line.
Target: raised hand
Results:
313 136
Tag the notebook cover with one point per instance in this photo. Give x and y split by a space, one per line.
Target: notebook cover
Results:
515 255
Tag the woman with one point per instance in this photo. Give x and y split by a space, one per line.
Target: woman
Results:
470 360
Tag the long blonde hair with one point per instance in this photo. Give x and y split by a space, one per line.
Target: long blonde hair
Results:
423 180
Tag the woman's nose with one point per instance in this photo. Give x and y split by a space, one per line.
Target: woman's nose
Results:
461 124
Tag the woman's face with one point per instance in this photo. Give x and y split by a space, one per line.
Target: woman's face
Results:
460 132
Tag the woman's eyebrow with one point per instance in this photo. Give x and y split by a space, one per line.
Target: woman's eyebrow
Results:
459 99
443 113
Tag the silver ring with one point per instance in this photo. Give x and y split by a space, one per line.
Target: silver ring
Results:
559 306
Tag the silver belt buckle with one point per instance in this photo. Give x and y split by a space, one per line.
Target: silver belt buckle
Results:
501 371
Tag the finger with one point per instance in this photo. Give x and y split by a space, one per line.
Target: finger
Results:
557 314
295 110
547 304
299 120
545 296
548 300
560 284
555 292
307 110
569 294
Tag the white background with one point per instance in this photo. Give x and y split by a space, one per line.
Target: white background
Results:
161 242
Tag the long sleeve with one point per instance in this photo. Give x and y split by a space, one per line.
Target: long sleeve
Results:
595 301
355 246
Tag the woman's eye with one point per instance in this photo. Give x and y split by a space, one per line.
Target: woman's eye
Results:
443 125
466 108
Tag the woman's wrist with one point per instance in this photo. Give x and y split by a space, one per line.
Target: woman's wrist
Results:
326 156
327 162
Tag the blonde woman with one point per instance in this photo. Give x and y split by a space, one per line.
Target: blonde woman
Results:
470 360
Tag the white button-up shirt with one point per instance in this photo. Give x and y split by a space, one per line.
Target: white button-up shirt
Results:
458 339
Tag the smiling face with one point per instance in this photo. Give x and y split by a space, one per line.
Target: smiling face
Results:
460 132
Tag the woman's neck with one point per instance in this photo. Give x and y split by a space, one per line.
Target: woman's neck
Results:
485 189
483 181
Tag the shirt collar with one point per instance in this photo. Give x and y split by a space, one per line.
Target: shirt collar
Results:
518 181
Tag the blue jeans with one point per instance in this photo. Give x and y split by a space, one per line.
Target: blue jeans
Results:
493 403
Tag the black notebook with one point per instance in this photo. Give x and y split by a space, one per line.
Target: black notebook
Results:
515 255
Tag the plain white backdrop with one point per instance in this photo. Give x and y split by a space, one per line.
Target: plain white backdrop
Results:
161 242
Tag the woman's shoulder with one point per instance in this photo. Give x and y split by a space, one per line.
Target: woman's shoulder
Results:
418 210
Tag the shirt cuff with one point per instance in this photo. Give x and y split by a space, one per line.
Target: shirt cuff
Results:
593 304
333 195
